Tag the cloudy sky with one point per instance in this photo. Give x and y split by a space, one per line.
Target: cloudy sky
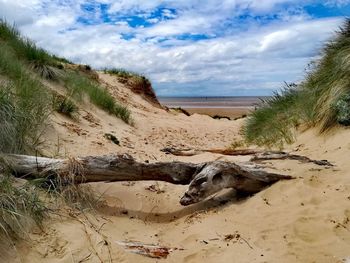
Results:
186 47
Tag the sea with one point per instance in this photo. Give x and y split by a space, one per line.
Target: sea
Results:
211 102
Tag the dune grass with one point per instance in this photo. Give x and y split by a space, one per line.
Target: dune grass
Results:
20 207
272 124
65 106
41 61
321 100
19 54
330 80
123 73
79 85
26 103
24 106
138 81
78 196
137 78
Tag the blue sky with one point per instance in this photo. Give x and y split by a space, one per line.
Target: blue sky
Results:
186 47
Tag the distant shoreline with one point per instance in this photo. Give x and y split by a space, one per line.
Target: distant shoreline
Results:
207 107
225 106
165 97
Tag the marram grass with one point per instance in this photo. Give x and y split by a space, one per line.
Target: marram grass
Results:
25 105
79 85
320 100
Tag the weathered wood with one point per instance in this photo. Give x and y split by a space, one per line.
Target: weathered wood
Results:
108 168
192 152
180 152
218 175
259 155
204 179
278 155
234 152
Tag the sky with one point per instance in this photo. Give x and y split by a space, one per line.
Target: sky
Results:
186 47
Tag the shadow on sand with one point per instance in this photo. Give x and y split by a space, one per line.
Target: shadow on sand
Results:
217 202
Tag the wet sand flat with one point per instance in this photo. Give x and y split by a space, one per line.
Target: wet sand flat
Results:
232 107
223 112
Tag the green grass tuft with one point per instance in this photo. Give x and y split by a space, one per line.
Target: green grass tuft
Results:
122 73
138 81
65 106
112 138
123 113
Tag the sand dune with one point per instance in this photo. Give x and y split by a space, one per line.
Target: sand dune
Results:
302 220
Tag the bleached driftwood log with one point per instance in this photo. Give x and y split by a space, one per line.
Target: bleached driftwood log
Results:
206 178
108 168
216 176
191 152
258 155
276 155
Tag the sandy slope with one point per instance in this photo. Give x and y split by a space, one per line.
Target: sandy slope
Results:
303 220
153 129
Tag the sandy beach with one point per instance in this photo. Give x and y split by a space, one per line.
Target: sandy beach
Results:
232 113
232 107
300 220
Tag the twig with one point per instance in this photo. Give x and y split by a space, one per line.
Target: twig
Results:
240 237
84 259
99 229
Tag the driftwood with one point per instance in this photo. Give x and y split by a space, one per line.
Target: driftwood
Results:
275 155
192 152
109 168
259 155
148 250
219 175
205 178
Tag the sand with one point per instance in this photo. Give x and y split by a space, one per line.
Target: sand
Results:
232 113
301 220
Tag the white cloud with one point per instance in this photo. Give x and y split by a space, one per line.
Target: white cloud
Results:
338 3
237 57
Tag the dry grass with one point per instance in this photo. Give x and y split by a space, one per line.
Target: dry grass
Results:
63 187
21 208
